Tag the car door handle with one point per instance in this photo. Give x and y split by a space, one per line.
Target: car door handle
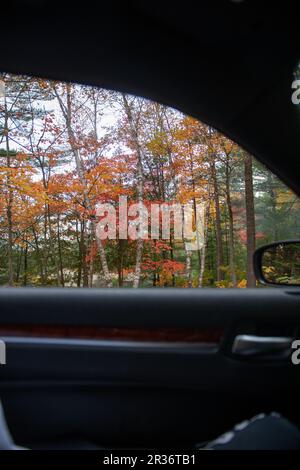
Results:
252 345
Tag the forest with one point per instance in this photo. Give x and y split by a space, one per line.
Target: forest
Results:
65 148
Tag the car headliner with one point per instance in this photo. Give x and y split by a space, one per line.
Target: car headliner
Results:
228 63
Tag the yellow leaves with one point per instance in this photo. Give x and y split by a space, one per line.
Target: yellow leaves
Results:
43 84
221 284
242 284
18 178
21 243
269 269
190 129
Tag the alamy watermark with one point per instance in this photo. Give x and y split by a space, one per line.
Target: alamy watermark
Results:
2 352
152 221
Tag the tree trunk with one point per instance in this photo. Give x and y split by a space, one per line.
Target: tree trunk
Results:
19 264
203 251
250 219
139 186
231 229
43 273
120 262
83 262
52 247
9 205
172 255
25 266
219 242
61 267
188 266
188 257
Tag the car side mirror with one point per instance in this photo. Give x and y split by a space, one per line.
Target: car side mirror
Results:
278 264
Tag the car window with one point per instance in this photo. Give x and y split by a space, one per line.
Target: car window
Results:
105 189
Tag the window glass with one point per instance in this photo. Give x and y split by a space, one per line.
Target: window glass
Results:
104 189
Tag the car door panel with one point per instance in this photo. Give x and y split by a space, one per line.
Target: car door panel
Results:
140 389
